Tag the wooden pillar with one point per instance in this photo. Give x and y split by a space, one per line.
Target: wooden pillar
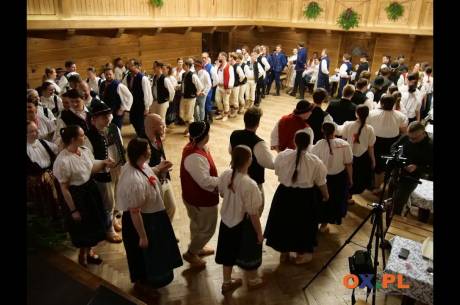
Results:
372 13
331 6
65 7
415 14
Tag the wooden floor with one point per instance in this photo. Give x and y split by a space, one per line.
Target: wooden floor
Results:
284 282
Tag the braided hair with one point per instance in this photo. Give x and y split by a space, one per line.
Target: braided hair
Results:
240 156
363 112
328 130
302 140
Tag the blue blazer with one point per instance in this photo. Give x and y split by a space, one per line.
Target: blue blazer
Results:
301 59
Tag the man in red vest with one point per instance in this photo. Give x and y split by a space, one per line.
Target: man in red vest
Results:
226 79
198 177
283 133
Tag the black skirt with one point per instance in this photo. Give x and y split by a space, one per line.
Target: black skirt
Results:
335 208
292 221
93 225
238 246
173 110
382 147
154 265
363 174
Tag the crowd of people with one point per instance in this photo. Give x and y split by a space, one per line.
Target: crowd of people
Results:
79 169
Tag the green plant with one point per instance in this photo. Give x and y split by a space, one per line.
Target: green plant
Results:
157 3
43 233
348 19
394 11
312 10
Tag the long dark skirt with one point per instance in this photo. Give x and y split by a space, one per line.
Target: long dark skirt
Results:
238 246
45 196
172 113
362 173
93 225
292 222
154 265
382 147
335 208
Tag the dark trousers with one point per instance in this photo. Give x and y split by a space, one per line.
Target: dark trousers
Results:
259 91
342 83
268 76
137 120
274 76
299 83
402 193
117 120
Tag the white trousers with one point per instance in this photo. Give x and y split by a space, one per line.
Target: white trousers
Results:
251 90
222 99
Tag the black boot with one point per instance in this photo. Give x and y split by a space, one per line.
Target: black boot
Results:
277 90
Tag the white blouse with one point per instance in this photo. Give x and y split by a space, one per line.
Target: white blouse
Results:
412 102
135 191
367 137
247 197
38 154
341 154
48 102
46 127
57 89
386 124
310 170
72 168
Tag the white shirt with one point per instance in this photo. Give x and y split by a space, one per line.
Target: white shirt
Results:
119 72
198 167
178 74
56 87
142 194
262 153
266 64
196 81
214 76
343 71
386 124
249 71
62 83
220 75
46 128
41 112
292 58
94 84
72 168
384 66
48 102
240 72
246 198
148 97
274 136
402 81
169 84
367 137
341 154
323 66
412 102
205 79
427 84
126 97
173 81
38 154
310 169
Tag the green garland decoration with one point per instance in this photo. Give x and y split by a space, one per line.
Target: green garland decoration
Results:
312 10
394 11
157 3
348 19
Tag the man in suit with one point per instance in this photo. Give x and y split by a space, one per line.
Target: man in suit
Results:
299 68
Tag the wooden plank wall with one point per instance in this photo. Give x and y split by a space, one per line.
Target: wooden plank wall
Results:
96 51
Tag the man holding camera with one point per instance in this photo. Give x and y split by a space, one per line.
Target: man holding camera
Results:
417 147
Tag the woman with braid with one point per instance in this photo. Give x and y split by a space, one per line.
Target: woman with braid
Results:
292 223
240 233
336 154
361 137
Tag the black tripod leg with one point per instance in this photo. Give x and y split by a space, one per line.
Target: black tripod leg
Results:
382 237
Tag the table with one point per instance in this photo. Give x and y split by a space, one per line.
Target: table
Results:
413 270
422 196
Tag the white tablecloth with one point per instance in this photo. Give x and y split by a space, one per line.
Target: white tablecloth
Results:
422 196
413 270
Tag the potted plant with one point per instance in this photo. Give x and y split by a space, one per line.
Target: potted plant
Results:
157 3
312 10
348 19
394 11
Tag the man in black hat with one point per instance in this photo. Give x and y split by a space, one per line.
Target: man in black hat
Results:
282 135
106 142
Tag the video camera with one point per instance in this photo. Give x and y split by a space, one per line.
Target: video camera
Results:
396 159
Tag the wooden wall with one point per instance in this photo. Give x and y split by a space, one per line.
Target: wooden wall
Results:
79 14
96 51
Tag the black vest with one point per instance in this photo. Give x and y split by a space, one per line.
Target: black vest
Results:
189 86
101 152
249 138
259 60
256 71
111 96
156 157
138 105
162 91
71 118
358 98
315 121
242 68
237 77
33 169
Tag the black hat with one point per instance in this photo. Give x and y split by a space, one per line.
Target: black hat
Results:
303 106
198 131
98 108
379 81
394 65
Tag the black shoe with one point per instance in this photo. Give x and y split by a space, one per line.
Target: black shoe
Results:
292 94
94 259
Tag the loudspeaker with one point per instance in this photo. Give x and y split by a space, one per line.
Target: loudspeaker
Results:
105 296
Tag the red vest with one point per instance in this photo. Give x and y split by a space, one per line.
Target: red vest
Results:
192 193
287 127
226 75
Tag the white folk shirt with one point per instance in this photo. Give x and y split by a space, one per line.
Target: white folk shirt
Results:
367 137
249 70
246 197
386 123
262 153
240 73
169 84
126 97
220 75
266 64
56 87
198 167
310 170
196 81
343 70
427 84
48 102
142 194
412 102
38 154
274 136
205 79
119 73
323 66
46 127
214 76
94 84
148 97
341 154
178 74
